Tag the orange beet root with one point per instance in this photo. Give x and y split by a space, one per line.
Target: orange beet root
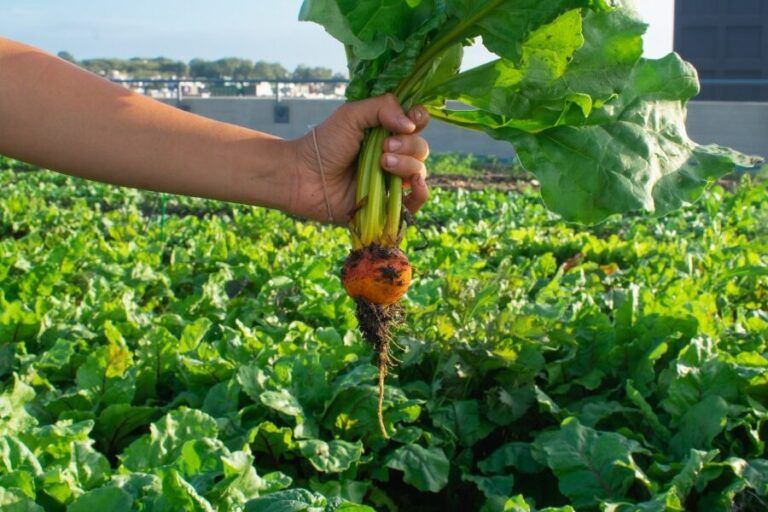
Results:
380 275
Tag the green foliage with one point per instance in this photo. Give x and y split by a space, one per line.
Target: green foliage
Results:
457 164
600 127
213 364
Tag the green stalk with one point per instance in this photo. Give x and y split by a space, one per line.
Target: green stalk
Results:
378 221
371 190
394 210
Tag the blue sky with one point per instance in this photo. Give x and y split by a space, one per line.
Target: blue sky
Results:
183 29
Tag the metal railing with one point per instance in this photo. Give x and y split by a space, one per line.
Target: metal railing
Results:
255 88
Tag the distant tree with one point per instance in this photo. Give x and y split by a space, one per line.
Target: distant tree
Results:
230 67
303 72
175 68
263 69
68 57
242 69
103 66
199 68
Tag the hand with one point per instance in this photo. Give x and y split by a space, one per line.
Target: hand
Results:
339 139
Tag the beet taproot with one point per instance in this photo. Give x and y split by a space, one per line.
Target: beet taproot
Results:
379 275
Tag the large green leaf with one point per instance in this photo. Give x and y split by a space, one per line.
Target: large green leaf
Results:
517 456
331 457
15 455
700 425
57 442
178 494
492 486
13 500
567 69
167 438
427 469
13 414
590 465
464 420
505 24
120 420
107 498
107 375
89 467
369 28
270 439
632 155
240 483
300 500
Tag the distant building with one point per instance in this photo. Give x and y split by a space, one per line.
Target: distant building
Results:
725 40
264 89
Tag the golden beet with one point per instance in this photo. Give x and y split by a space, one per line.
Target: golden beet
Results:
380 275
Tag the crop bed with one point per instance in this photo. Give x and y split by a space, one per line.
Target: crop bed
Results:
208 359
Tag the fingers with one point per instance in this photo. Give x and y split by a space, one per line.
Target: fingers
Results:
420 118
405 166
404 156
414 173
409 145
385 111
418 196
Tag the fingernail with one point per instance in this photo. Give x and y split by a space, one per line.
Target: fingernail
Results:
395 144
406 123
391 161
418 114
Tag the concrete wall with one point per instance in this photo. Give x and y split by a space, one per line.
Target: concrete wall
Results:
259 115
743 126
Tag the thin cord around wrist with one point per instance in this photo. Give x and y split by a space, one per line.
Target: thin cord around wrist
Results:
322 175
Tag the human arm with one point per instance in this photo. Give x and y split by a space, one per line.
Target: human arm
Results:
58 116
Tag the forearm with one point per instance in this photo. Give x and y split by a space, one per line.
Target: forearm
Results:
57 116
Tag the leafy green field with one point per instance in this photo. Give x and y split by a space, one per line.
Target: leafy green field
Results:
208 360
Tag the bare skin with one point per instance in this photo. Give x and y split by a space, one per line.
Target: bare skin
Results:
57 116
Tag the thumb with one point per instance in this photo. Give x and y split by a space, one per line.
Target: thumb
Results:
379 111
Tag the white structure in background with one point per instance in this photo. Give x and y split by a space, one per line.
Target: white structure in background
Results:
160 88
265 89
313 90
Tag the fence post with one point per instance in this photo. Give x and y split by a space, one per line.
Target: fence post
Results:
277 92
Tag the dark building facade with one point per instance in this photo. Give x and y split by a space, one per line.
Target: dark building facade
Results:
727 41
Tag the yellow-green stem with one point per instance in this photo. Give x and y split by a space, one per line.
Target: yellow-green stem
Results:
371 218
394 210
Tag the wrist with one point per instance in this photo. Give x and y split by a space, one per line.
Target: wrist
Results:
268 176
307 199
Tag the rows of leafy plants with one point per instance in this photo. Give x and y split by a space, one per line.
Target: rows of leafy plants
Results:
206 358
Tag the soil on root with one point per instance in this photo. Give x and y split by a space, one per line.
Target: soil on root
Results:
376 324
